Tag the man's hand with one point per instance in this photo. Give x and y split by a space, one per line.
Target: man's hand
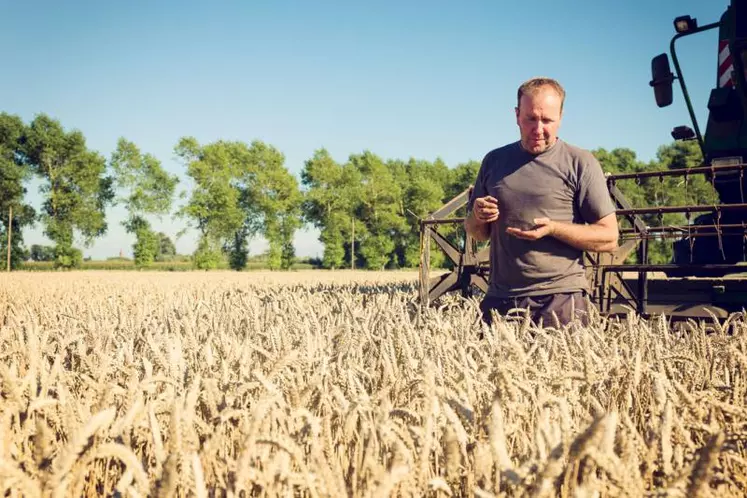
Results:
484 212
542 228
486 209
600 236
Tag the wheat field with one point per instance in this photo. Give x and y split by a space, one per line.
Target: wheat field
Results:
337 384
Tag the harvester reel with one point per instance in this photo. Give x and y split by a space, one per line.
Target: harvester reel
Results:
470 266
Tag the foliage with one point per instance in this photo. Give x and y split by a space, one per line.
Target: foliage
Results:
382 202
148 189
145 249
166 248
656 192
424 192
239 251
208 255
13 173
41 253
274 193
329 204
380 208
214 203
241 191
74 182
367 209
66 256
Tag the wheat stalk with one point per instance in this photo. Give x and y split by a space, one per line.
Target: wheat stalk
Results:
292 386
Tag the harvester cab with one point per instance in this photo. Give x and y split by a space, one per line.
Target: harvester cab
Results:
724 144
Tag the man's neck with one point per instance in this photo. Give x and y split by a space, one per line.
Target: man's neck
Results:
548 149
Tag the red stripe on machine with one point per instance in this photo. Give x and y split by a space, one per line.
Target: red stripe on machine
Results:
725 66
723 51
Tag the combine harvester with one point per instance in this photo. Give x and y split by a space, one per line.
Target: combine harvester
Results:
708 272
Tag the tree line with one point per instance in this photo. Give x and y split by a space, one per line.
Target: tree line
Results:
367 209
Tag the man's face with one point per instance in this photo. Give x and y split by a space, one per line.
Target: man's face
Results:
538 117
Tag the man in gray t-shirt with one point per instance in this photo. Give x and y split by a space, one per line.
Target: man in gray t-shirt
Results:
541 202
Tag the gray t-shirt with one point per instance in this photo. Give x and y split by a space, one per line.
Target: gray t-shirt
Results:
564 183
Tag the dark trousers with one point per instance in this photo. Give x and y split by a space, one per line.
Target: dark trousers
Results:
544 310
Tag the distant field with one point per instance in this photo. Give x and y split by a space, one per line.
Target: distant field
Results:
318 383
119 264
209 279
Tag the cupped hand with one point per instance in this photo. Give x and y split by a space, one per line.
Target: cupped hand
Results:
542 228
486 209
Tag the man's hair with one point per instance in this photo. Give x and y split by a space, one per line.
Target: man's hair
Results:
531 86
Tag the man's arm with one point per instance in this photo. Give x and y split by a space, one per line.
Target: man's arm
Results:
477 229
600 236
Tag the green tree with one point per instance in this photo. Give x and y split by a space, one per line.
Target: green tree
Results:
239 192
208 255
622 161
460 178
23 216
329 202
147 189
74 183
239 251
423 193
675 191
379 209
453 183
41 253
145 248
696 189
272 193
214 205
13 173
659 192
166 248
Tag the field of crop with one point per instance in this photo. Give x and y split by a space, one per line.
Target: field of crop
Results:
336 384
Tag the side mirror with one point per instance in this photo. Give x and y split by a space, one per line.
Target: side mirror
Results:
683 133
661 80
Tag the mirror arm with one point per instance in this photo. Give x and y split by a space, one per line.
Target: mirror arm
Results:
679 77
664 81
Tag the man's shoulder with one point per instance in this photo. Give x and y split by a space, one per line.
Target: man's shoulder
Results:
579 153
501 152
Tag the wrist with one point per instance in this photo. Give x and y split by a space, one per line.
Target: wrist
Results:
553 226
477 221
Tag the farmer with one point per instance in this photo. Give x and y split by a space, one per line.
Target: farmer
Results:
541 202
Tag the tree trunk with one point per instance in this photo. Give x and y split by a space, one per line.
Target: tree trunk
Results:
352 244
10 231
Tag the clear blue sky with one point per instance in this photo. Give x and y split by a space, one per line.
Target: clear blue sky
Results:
403 79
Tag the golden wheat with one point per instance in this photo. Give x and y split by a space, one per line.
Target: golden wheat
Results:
339 384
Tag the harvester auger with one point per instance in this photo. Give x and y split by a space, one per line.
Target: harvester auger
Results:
707 275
